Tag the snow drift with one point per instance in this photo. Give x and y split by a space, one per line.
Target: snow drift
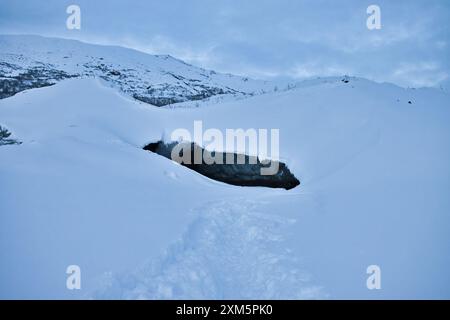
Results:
81 190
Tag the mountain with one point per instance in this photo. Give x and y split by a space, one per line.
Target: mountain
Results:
80 189
33 61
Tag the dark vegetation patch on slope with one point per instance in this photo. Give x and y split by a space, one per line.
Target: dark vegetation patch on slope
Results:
5 137
36 77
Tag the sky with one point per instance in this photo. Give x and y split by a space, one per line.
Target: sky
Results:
265 39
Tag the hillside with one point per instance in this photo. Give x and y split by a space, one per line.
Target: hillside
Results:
33 61
372 160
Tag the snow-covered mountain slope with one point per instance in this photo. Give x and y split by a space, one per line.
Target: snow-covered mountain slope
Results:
34 61
89 195
373 161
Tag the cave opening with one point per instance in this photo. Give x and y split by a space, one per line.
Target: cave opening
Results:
246 174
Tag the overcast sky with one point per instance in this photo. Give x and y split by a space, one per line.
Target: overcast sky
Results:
262 38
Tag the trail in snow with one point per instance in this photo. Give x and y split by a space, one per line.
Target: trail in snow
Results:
230 251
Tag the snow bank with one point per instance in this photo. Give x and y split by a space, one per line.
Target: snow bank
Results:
80 190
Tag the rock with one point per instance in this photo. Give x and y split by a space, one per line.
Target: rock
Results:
247 174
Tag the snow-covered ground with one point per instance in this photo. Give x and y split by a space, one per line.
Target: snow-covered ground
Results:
373 160
155 79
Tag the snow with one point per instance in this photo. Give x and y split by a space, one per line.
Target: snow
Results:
137 74
80 190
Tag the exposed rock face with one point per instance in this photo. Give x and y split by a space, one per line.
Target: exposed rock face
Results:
35 77
159 98
247 174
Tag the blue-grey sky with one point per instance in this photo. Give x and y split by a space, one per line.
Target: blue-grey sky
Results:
262 38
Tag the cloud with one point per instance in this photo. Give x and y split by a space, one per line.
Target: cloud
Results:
264 38
310 70
423 74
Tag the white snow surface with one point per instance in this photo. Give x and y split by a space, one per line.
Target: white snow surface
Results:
374 173
133 72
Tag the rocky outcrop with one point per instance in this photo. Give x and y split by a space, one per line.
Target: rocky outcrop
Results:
37 77
246 174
